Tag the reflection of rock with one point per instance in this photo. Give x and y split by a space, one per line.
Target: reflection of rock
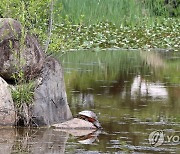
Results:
49 141
7 111
90 138
50 105
85 100
13 54
7 138
85 136
75 123
40 141
144 88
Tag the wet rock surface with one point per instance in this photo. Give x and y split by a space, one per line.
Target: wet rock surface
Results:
18 51
7 110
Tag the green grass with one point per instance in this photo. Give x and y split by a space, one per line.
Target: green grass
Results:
102 24
99 24
93 11
23 93
119 12
162 34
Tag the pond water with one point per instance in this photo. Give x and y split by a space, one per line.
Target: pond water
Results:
134 93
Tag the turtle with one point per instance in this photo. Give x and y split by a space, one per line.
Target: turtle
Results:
91 117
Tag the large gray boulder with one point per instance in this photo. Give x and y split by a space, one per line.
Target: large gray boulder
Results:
22 52
7 110
50 105
18 50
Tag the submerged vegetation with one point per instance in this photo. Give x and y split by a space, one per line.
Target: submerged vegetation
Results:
99 24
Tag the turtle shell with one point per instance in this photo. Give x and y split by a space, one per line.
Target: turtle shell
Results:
89 114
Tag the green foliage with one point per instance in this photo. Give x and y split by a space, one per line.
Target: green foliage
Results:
166 8
23 94
101 24
33 14
161 34
23 91
93 11
98 24
116 11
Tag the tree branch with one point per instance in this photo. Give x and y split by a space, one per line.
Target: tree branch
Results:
50 26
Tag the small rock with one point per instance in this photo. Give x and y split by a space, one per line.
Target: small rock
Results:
75 123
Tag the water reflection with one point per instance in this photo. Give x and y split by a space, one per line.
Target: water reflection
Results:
7 139
83 99
133 93
142 88
86 136
40 141
89 138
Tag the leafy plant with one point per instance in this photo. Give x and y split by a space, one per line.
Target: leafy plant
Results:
23 90
34 15
97 24
23 94
167 8
162 34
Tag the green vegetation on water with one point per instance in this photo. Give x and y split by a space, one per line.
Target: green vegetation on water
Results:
103 35
100 24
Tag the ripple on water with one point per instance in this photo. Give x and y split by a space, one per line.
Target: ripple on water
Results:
148 148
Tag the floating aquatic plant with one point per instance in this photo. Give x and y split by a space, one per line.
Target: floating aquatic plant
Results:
164 35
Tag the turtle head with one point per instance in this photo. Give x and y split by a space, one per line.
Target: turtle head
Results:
97 124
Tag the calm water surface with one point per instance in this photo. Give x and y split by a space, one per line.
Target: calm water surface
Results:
133 93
